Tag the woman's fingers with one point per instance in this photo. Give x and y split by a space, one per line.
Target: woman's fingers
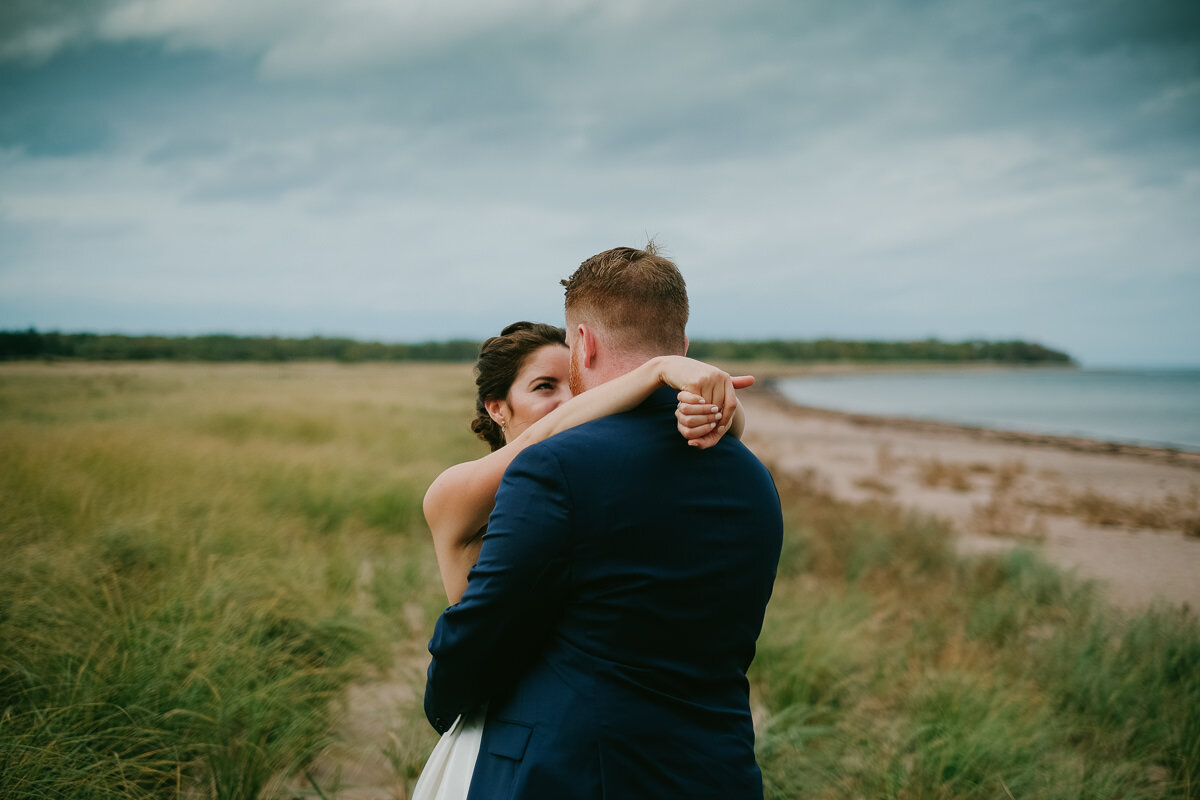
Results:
698 409
722 394
696 420
693 434
707 400
694 411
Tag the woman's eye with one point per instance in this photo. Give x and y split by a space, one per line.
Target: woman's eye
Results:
544 385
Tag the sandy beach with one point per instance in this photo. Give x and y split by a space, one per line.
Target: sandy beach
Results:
1126 516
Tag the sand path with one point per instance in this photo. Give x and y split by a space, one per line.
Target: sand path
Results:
381 740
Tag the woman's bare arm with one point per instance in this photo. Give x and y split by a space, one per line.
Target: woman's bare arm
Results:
459 501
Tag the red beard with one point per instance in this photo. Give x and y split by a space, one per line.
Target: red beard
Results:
575 376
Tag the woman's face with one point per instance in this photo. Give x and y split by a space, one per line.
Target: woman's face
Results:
540 387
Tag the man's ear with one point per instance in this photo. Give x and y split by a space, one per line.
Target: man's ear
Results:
587 345
685 345
496 410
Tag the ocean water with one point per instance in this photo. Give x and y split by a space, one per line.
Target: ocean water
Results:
1157 407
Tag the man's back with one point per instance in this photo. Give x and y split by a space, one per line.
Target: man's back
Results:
633 572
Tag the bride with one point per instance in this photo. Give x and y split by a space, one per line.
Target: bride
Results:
522 398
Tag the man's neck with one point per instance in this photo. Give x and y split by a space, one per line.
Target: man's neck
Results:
615 366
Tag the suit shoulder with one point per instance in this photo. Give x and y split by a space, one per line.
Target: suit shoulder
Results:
593 444
595 432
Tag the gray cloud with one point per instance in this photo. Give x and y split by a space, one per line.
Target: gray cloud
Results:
896 169
33 31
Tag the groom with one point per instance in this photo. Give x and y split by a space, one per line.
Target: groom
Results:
613 612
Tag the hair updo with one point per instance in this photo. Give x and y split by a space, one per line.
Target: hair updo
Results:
500 359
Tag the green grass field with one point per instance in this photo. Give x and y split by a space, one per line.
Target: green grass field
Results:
199 560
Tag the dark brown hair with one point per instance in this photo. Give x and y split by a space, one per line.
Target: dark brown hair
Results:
637 296
500 359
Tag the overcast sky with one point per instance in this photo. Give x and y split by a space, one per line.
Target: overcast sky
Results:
400 170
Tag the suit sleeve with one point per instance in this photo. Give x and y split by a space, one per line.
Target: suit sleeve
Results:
513 594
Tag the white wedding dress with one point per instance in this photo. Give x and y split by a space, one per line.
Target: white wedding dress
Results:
447 773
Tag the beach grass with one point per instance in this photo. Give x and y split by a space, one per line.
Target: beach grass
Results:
890 667
202 561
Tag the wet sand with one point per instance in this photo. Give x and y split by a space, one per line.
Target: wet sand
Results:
1127 516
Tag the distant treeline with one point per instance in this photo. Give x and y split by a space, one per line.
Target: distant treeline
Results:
222 347
1009 352
30 344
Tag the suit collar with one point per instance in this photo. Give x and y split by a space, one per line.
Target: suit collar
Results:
666 396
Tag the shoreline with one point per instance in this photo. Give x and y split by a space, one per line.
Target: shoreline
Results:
1189 459
1125 515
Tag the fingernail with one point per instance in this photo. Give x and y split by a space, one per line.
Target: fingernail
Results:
721 429
718 413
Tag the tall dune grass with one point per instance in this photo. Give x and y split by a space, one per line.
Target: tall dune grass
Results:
199 561
182 595
889 667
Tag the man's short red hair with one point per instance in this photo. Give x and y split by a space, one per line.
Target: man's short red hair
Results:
637 296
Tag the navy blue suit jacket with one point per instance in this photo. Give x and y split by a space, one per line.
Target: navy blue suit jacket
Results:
612 615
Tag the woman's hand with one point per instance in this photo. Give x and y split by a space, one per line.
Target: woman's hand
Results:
707 398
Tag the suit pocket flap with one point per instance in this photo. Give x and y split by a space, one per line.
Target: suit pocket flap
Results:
508 739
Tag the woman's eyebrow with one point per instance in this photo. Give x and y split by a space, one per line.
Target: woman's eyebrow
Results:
543 379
